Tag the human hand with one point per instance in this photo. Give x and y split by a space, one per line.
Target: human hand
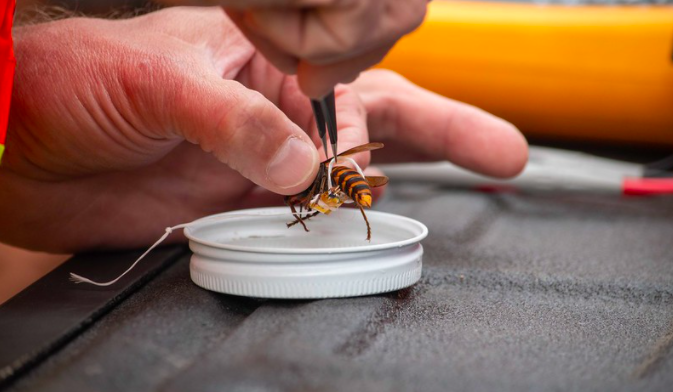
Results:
110 121
324 42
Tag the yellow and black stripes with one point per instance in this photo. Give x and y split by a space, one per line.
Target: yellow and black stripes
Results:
352 183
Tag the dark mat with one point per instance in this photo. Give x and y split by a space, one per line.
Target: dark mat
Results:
518 293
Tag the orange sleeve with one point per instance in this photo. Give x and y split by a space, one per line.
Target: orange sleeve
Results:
7 63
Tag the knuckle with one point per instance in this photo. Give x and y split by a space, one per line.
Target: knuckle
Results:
387 77
407 15
141 73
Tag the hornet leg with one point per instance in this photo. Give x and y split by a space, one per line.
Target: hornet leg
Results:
369 229
298 218
307 217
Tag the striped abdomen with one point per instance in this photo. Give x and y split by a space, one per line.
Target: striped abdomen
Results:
352 183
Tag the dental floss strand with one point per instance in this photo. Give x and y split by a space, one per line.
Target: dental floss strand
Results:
81 279
331 166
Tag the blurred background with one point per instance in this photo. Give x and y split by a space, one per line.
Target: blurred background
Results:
599 74
593 76
563 71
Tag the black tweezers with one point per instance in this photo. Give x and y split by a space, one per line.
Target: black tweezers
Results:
325 116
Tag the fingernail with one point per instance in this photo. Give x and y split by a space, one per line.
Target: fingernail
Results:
294 162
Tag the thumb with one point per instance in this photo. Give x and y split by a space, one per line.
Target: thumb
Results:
247 132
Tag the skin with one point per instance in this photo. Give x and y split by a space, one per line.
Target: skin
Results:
323 42
121 128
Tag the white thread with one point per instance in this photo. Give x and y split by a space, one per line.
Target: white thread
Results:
357 167
329 172
81 279
331 166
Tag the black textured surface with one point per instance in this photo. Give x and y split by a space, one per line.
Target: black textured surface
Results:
42 318
518 293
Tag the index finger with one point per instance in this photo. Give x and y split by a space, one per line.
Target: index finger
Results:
418 124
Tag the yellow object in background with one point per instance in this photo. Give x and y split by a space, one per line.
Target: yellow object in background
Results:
600 73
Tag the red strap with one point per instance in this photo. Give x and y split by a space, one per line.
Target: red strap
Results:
7 63
648 186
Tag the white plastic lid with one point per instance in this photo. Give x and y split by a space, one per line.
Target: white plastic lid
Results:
252 253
